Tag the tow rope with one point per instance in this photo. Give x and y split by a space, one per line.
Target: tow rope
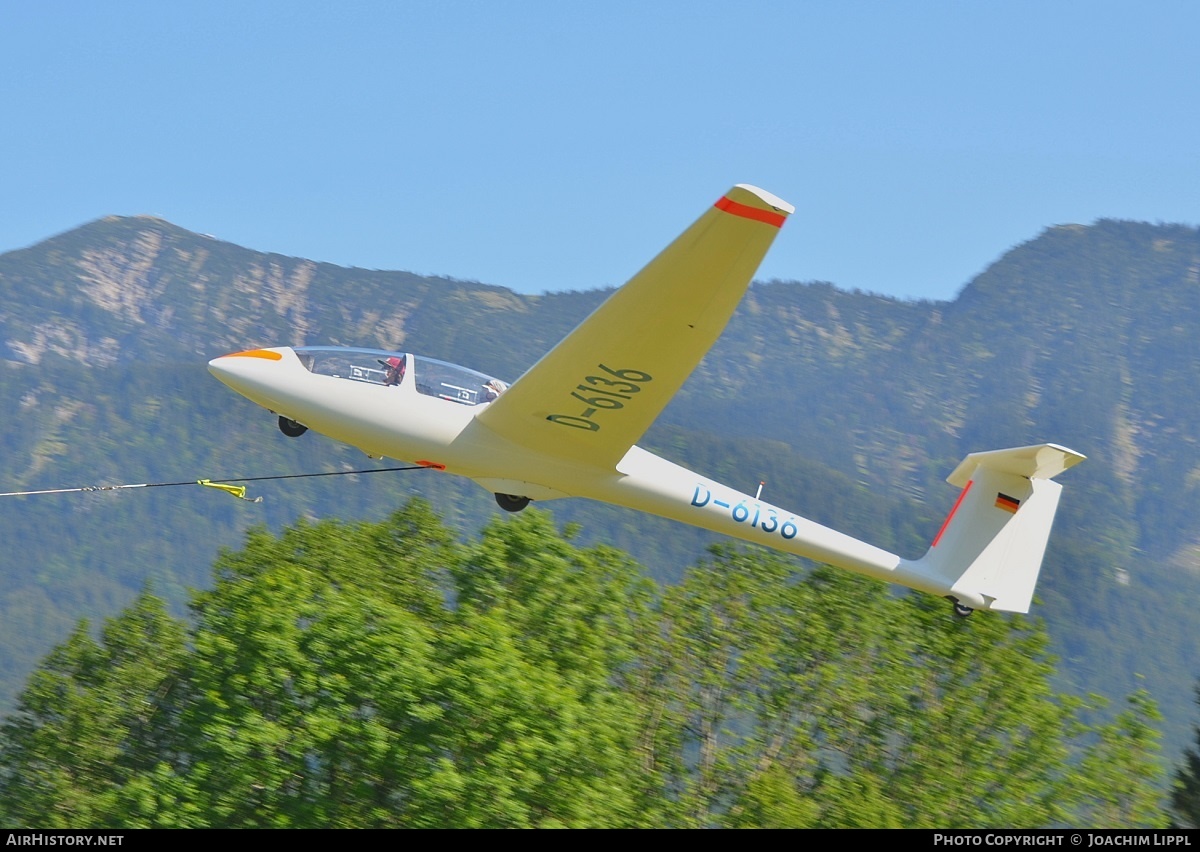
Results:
225 485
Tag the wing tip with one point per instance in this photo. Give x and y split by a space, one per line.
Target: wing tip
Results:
772 200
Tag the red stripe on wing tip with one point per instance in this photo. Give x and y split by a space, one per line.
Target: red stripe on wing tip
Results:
771 217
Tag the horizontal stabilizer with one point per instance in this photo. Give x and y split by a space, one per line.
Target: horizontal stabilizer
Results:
1039 461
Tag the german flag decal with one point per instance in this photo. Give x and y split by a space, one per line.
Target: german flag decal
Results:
1008 504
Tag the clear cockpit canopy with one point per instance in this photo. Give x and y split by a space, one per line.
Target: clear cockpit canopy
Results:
381 367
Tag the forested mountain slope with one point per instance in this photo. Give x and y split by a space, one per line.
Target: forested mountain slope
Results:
853 407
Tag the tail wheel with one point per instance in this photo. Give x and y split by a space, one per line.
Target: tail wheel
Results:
291 428
511 502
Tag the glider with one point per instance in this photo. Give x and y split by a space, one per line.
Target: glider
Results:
568 426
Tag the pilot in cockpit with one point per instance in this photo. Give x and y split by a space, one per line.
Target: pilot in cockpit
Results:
395 370
493 388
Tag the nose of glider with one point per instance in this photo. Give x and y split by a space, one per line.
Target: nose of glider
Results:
243 370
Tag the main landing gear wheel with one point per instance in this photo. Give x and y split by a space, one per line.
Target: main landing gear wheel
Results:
291 428
511 502
962 611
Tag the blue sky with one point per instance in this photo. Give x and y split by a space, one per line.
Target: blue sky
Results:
559 145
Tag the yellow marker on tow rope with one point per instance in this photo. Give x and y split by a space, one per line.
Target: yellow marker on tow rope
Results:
238 491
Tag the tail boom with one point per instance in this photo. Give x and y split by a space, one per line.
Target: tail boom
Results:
986 556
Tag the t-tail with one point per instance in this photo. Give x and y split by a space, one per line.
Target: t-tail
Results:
988 553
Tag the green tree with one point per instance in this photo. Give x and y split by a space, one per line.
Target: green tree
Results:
753 671
979 738
384 675
313 674
93 737
1121 774
1185 793
538 730
825 700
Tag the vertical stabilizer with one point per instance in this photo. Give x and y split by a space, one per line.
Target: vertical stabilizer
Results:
989 550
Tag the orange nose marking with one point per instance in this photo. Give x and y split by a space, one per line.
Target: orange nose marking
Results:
255 353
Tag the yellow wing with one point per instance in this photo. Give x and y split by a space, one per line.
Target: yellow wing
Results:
594 394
